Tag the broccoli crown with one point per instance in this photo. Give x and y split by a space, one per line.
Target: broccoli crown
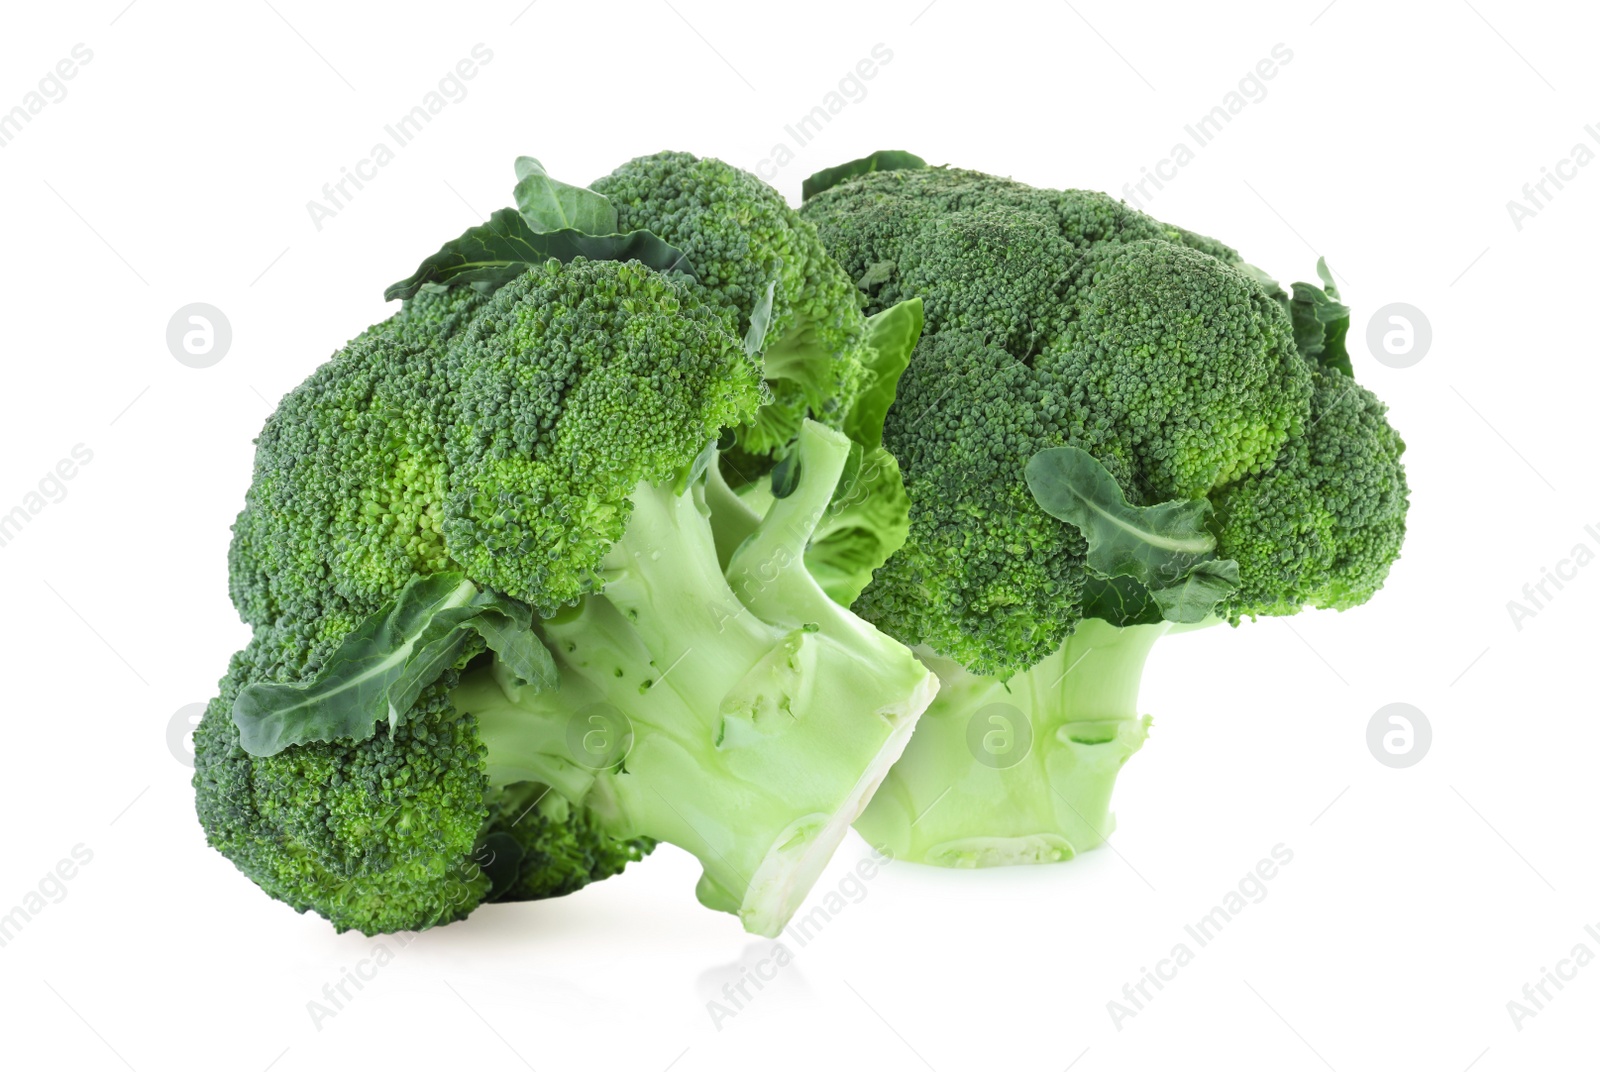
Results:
1065 318
378 835
742 238
346 501
497 436
1323 525
1186 366
983 570
571 386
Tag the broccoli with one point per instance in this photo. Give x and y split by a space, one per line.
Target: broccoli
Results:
1112 428
499 651
741 237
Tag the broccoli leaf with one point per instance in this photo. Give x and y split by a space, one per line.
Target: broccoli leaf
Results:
1166 548
755 337
379 669
1120 601
1193 598
892 335
877 275
551 205
882 160
492 254
1321 322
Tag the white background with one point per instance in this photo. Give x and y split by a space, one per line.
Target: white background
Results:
1419 901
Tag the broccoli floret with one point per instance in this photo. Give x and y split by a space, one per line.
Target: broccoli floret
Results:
1190 363
984 574
1323 525
348 504
1243 473
744 241
377 835
381 752
630 375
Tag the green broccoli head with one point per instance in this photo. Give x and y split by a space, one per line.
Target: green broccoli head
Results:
1066 319
743 241
346 501
481 535
1186 364
397 832
1324 523
984 573
378 835
498 437
573 384
1110 425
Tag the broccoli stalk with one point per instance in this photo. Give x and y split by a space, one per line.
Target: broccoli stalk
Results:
1018 771
749 724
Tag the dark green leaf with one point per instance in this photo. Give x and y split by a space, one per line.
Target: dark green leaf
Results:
1166 548
786 476
499 856
550 205
882 160
1321 322
1325 274
1121 601
508 631
492 254
378 671
1193 598
1155 545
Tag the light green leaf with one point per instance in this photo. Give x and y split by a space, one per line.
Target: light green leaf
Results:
550 205
760 320
877 275
892 335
